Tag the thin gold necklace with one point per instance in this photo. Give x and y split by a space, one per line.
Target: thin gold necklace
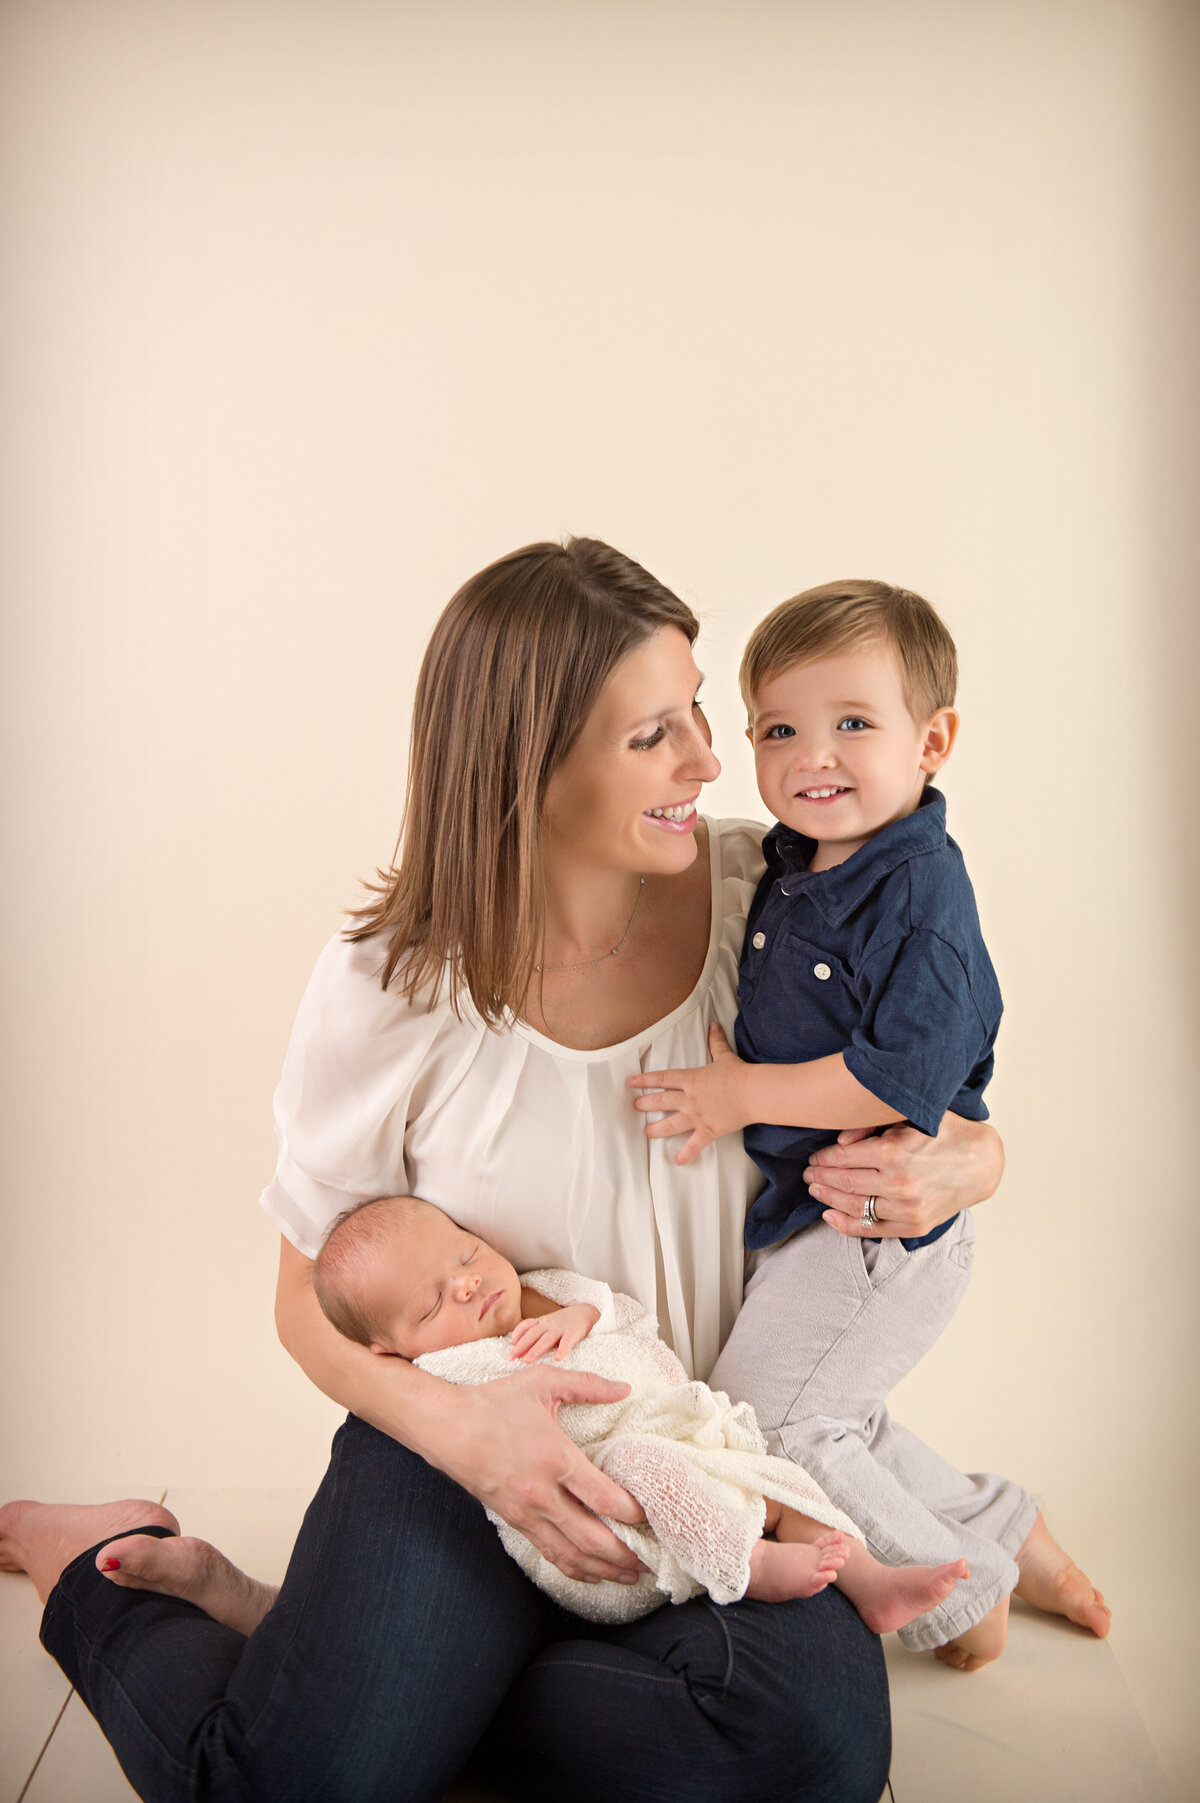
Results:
587 963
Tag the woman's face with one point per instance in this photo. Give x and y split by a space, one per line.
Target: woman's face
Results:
625 796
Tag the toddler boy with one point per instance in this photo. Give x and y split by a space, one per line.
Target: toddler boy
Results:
401 1277
866 997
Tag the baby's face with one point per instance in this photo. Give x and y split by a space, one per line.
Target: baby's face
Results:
836 751
442 1286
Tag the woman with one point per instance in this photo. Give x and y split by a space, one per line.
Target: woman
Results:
556 919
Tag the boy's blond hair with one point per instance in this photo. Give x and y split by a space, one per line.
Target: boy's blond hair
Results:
823 621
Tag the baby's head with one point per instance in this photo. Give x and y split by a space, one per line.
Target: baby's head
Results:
849 690
399 1276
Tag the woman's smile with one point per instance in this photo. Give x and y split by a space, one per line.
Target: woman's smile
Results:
676 817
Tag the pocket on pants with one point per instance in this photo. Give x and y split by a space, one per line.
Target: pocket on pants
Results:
880 1259
960 1242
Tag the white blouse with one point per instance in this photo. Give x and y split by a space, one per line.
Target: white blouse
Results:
535 1146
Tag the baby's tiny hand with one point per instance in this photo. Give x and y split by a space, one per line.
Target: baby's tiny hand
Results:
533 1338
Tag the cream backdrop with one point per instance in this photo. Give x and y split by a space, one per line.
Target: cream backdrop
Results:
313 310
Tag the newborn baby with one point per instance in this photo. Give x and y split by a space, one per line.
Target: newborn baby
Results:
397 1275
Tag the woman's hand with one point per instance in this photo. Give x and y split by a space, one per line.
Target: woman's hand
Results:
917 1182
502 1443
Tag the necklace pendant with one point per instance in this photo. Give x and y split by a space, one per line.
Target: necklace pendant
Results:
590 963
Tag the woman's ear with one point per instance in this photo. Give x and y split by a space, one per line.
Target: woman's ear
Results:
941 730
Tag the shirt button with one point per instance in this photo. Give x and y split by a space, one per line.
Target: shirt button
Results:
758 941
822 971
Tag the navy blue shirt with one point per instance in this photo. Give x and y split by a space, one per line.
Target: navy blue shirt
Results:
881 959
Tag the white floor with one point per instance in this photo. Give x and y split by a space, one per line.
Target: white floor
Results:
1052 1722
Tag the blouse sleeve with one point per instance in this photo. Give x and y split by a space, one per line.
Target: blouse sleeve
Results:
352 1077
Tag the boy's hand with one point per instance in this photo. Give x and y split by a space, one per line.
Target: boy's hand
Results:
706 1102
532 1339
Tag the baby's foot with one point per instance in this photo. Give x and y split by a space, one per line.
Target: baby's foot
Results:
889 1596
977 1646
43 1538
779 1572
1052 1581
192 1570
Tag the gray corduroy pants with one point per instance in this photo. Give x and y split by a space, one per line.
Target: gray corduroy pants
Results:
828 1327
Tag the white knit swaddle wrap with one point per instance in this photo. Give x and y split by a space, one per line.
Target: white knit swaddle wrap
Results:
695 1461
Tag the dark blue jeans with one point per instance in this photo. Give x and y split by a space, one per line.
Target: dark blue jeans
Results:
407 1648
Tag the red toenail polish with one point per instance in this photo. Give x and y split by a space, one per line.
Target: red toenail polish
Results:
111 1565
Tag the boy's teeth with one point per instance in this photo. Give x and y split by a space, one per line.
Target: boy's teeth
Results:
819 794
684 812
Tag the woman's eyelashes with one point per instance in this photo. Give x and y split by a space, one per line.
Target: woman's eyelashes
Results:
659 733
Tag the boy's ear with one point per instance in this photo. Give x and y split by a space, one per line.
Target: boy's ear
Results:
382 1352
941 730
750 734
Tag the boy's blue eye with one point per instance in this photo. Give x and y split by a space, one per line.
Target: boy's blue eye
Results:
780 732
853 723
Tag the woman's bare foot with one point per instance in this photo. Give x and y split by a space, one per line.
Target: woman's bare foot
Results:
977 1646
779 1571
1051 1580
43 1538
190 1569
889 1596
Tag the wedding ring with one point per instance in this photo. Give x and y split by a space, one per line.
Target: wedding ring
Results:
869 1217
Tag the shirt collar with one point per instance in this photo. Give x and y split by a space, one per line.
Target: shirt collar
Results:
836 893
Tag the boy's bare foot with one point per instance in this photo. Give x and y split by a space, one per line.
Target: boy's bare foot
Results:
977 1646
779 1571
190 1569
43 1538
889 1596
1051 1580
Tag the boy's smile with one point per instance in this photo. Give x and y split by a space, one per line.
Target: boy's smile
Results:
837 753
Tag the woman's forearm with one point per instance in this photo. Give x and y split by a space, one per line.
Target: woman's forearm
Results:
389 1393
983 1180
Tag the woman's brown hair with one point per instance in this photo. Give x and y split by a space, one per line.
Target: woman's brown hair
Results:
511 673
